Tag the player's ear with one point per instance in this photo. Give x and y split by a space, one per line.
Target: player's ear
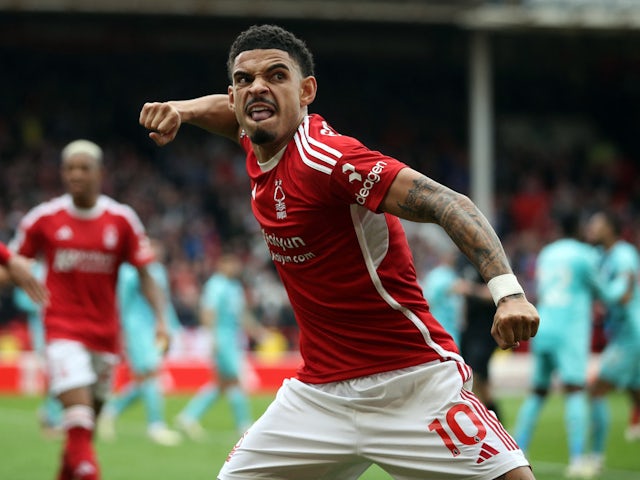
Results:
308 89
231 97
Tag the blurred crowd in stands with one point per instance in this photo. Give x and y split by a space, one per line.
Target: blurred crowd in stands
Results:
194 194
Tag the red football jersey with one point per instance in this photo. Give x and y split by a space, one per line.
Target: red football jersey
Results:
347 268
83 250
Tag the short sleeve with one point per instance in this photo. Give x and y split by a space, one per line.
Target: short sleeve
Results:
26 241
138 249
211 295
363 176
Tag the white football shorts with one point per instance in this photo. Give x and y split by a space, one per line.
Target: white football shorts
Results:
71 365
416 423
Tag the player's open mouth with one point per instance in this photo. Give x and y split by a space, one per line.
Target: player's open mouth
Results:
260 110
260 113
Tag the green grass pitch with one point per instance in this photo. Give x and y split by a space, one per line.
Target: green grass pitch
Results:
26 455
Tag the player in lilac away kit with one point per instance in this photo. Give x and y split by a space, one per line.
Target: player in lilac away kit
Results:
381 381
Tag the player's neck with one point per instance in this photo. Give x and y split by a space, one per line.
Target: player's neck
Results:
264 153
85 202
267 151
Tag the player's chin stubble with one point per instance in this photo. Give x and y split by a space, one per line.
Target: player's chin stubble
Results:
260 137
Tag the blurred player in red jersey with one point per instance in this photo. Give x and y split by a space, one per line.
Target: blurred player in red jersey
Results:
83 237
17 269
382 381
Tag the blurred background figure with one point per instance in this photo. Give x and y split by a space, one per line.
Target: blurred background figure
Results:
632 433
17 270
477 346
84 236
440 284
565 287
143 352
223 308
460 300
620 360
50 411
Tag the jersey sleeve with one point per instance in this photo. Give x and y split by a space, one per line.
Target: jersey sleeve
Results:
27 238
614 289
5 254
210 295
627 260
363 176
138 247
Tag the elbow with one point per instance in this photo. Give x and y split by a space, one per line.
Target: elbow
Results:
463 201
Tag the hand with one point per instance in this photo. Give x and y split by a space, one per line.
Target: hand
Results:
19 268
163 339
163 119
462 287
515 320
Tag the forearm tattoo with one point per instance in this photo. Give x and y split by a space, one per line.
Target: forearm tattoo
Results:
428 201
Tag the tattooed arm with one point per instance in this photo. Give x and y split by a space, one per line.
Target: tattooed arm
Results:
413 196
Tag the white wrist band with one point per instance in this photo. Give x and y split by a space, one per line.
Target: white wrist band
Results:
503 286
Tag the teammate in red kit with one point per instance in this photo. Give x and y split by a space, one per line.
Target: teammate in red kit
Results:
17 269
83 237
382 382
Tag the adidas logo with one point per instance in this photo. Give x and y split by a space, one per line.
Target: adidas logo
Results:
64 233
486 452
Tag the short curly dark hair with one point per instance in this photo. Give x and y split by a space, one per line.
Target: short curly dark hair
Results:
259 37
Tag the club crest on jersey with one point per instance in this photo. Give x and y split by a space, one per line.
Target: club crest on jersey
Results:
278 198
110 237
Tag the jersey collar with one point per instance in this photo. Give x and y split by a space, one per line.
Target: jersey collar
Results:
273 161
86 213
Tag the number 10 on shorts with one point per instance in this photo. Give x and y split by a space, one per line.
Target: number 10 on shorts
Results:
454 426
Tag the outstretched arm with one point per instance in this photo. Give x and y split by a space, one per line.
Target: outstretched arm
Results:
17 269
155 297
211 113
413 196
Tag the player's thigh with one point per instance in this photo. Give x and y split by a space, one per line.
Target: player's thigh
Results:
573 362
544 364
303 434
69 366
617 363
103 365
229 361
438 429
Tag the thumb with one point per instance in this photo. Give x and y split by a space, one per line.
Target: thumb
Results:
160 139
